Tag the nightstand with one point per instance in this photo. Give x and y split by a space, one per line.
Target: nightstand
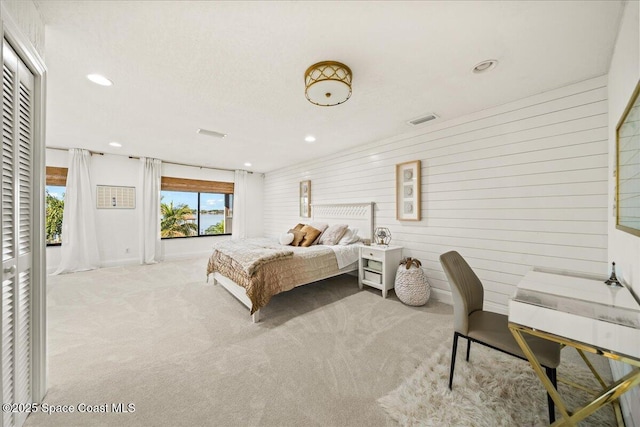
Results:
378 266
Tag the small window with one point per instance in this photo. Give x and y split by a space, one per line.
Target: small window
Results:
56 181
193 208
215 213
179 211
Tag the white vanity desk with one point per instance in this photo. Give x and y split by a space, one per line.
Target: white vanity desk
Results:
582 312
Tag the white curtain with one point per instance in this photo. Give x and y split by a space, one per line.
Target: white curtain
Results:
239 225
79 251
150 171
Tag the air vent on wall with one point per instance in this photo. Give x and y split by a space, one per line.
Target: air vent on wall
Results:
111 197
423 119
211 133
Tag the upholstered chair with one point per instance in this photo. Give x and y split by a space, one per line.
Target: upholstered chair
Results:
488 328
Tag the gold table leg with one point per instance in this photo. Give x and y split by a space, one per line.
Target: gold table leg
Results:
608 395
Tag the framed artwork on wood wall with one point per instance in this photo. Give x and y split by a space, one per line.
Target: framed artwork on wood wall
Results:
305 199
408 191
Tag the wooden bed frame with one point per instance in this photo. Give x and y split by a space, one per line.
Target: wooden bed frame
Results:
357 215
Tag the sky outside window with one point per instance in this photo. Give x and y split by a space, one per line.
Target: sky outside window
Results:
56 191
180 198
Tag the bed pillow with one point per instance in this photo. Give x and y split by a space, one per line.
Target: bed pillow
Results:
298 236
298 227
322 226
333 234
311 234
286 238
351 236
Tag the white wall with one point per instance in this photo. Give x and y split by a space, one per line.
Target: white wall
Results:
512 187
118 229
27 18
624 248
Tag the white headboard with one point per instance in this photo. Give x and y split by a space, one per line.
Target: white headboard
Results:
358 215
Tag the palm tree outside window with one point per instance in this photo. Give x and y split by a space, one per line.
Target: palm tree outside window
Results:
190 214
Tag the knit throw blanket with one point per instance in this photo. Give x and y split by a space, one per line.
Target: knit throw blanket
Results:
249 255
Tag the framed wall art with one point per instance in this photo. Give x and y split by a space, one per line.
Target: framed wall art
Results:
628 167
305 199
408 191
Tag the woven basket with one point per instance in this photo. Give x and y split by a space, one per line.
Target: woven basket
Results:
411 286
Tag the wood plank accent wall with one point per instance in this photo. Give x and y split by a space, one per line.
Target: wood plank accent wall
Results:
512 187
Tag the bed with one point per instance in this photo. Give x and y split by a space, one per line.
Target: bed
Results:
253 270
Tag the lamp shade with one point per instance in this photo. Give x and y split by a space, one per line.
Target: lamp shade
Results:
327 83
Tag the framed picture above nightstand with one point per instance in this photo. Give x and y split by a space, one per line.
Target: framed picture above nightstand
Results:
408 189
377 266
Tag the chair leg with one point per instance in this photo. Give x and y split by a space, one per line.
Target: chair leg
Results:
551 373
453 357
468 348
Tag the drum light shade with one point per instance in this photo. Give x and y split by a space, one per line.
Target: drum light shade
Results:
327 83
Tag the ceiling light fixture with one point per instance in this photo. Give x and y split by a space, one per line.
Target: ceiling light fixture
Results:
211 133
100 79
247 164
115 144
484 66
327 83
310 138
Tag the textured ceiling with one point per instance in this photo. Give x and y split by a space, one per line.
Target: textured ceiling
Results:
237 68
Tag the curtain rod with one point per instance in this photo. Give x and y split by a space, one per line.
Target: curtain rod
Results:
163 161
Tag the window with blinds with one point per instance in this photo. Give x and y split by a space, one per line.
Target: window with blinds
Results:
192 208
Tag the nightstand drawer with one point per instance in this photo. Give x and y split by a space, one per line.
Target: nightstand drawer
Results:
373 254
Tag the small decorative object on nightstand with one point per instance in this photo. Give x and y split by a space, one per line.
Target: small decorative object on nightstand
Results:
382 236
377 267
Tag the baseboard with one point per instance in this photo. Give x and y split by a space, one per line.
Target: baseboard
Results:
119 262
186 255
445 297
136 261
441 296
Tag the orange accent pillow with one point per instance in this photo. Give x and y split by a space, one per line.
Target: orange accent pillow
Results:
311 234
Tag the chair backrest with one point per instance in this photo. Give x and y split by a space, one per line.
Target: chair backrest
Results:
466 289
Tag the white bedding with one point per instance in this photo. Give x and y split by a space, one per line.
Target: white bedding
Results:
345 254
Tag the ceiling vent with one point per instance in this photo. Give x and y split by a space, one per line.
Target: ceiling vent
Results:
211 133
424 119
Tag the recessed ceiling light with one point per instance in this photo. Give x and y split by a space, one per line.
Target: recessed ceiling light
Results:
310 138
484 66
100 79
247 164
115 144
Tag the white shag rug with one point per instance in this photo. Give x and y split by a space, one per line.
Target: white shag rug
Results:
492 389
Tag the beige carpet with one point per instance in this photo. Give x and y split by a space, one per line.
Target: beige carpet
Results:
185 352
492 390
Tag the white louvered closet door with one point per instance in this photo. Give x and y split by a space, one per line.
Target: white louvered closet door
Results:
16 220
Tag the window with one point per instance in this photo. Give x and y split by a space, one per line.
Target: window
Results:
56 182
192 208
